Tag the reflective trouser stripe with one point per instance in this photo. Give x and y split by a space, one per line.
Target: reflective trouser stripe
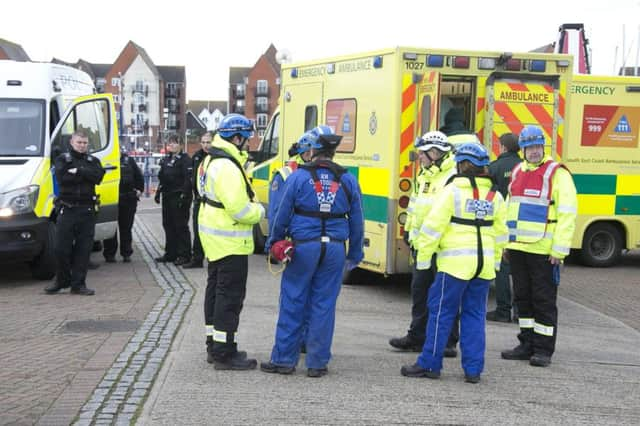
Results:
208 330
545 330
221 336
525 322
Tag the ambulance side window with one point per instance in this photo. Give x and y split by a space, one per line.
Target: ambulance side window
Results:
425 116
310 117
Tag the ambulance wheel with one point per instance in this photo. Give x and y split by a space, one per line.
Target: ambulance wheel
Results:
602 245
259 239
44 266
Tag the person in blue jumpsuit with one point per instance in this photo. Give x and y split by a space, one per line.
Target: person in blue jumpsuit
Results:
300 154
319 211
467 228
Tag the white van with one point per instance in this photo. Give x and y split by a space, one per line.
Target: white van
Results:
41 105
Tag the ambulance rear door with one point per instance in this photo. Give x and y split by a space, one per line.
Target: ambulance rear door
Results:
514 102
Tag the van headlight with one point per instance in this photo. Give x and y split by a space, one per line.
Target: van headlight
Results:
18 201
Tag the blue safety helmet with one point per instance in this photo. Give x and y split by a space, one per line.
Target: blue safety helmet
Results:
323 138
474 152
529 136
305 142
235 124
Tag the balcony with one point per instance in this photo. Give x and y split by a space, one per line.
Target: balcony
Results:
172 92
262 108
239 91
239 109
174 108
262 91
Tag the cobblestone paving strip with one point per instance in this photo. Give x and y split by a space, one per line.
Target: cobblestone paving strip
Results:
123 389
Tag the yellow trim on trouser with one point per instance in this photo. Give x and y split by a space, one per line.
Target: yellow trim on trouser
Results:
208 330
545 330
525 322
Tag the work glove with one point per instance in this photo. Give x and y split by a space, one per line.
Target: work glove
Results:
349 265
156 197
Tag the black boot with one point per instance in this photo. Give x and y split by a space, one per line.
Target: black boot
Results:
54 288
193 264
83 291
406 343
269 367
237 361
416 371
540 360
520 352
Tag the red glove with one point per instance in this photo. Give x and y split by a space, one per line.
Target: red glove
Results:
282 251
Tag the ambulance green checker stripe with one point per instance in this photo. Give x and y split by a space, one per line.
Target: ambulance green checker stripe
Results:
606 185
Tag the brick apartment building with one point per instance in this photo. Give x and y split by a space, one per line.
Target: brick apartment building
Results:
254 91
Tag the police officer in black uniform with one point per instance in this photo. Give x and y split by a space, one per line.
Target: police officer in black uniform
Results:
198 254
77 174
131 186
175 187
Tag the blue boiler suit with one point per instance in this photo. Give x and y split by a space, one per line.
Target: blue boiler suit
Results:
313 278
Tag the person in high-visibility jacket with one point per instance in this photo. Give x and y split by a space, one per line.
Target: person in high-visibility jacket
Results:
225 222
466 228
541 216
434 153
321 209
300 154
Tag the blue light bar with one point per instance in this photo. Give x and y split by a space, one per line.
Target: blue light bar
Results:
436 61
377 61
294 72
538 65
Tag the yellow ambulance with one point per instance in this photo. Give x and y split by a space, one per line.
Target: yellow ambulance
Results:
41 105
381 101
603 153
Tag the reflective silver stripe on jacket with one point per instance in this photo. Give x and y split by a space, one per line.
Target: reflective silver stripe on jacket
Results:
430 232
225 232
567 209
242 213
561 249
465 252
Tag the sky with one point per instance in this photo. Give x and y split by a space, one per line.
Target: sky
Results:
208 37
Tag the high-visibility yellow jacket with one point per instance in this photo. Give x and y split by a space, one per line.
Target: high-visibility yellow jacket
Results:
561 213
438 177
456 244
227 229
422 185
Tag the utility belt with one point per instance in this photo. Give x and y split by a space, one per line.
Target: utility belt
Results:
86 202
321 239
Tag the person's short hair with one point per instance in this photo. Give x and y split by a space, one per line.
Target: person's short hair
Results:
510 142
79 134
175 138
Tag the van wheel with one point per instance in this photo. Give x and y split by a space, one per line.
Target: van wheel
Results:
259 239
602 245
44 266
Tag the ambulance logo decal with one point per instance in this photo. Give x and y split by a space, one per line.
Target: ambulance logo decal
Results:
373 123
623 125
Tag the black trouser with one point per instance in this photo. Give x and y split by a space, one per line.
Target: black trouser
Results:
223 299
75 227
421 281
175 221
198 253
127 206
535 296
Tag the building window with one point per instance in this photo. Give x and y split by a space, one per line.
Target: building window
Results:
262 88
260 133
261 120
115 82
116 98
240 90
262 104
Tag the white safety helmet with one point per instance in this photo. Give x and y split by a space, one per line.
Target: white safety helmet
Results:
433 139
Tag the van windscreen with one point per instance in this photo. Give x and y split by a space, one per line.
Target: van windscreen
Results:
21 127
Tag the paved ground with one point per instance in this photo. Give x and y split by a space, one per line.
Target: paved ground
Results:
109 359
